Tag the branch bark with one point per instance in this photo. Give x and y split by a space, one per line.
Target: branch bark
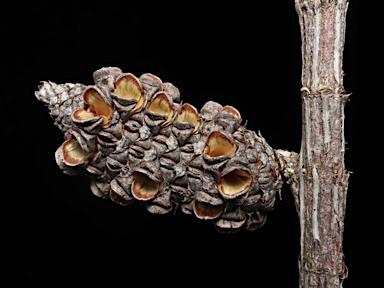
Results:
320 188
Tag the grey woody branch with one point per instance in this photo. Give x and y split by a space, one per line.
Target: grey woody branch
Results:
321 186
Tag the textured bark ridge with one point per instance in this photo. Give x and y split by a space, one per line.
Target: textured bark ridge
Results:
137 141
320 185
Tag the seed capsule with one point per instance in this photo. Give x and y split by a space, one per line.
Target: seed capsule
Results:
186 123
128 95
119 191
231 221
159 112
100 188
162 203
151 85
235 182
72 154
96 103
229 118
106 77
206 211
219 144
147 181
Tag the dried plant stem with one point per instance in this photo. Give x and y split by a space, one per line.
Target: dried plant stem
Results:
320 187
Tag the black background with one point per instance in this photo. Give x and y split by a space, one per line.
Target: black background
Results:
55 230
